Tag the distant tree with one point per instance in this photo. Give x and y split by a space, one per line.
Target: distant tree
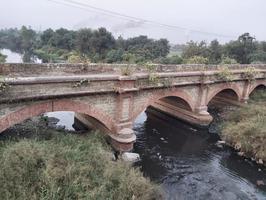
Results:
28 40
75 57
46 37
196 60
114 56
258 57
226 60
241 49
82 41
195 49
215 52
2 58
175 59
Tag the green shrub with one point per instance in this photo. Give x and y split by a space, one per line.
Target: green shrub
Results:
2 58
250 73
245 128
228 61
197 60
68 167
225 74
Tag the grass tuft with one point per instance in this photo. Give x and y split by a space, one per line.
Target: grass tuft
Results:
68 166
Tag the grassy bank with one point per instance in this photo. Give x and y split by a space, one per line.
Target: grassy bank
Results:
245 128
67 166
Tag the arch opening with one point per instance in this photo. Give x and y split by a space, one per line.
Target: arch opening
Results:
169 106
224 97
258 93
94 117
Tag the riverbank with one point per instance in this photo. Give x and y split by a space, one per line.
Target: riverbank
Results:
56 164
245 129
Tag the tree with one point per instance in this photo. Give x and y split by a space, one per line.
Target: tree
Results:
114 56
241 49
82 41
2 58
215 52
195 49
28 39
197 60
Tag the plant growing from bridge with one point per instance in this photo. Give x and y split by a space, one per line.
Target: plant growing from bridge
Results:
225 74
3 85
250 73
82 82
167 82
126 71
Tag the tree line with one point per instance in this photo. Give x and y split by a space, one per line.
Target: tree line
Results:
81 45
87 45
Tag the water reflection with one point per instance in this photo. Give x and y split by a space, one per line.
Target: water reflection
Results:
189 165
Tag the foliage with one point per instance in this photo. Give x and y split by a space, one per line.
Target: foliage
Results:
228 61
241 49
246 127
77 58
2 58
153 78
197 60
3 85
126 71
250 73
83 82
101 46
258 57
193 49
225 74
174 59
114 56
68 167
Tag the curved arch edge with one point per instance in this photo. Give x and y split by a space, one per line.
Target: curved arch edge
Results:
36 109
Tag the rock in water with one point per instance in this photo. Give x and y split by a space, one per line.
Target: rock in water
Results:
130 157
260 182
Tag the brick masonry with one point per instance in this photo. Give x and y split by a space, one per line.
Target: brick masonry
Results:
101 92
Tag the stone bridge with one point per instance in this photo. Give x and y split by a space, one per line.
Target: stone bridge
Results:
110 97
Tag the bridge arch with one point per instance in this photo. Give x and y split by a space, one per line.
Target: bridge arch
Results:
36 109
256 86
180 94
228 90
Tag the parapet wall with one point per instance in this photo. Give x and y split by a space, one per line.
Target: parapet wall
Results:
24 70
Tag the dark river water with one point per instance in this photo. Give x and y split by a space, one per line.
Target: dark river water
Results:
186 161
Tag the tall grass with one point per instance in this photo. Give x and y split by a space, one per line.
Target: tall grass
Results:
246 127
68 166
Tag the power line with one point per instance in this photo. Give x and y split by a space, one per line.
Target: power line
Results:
88 7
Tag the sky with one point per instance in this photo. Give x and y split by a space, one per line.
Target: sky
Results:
177 20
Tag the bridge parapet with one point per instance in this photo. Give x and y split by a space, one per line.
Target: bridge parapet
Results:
28 69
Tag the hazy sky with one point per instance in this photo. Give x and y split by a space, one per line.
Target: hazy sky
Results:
225 17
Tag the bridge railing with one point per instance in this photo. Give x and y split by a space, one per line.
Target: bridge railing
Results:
25 70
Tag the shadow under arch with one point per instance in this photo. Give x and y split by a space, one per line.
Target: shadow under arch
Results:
256 88
36 109
183 98
230 94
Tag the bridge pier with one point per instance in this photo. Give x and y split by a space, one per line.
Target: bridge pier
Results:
121 141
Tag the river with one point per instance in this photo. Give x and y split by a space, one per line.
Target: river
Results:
187 163
13 57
